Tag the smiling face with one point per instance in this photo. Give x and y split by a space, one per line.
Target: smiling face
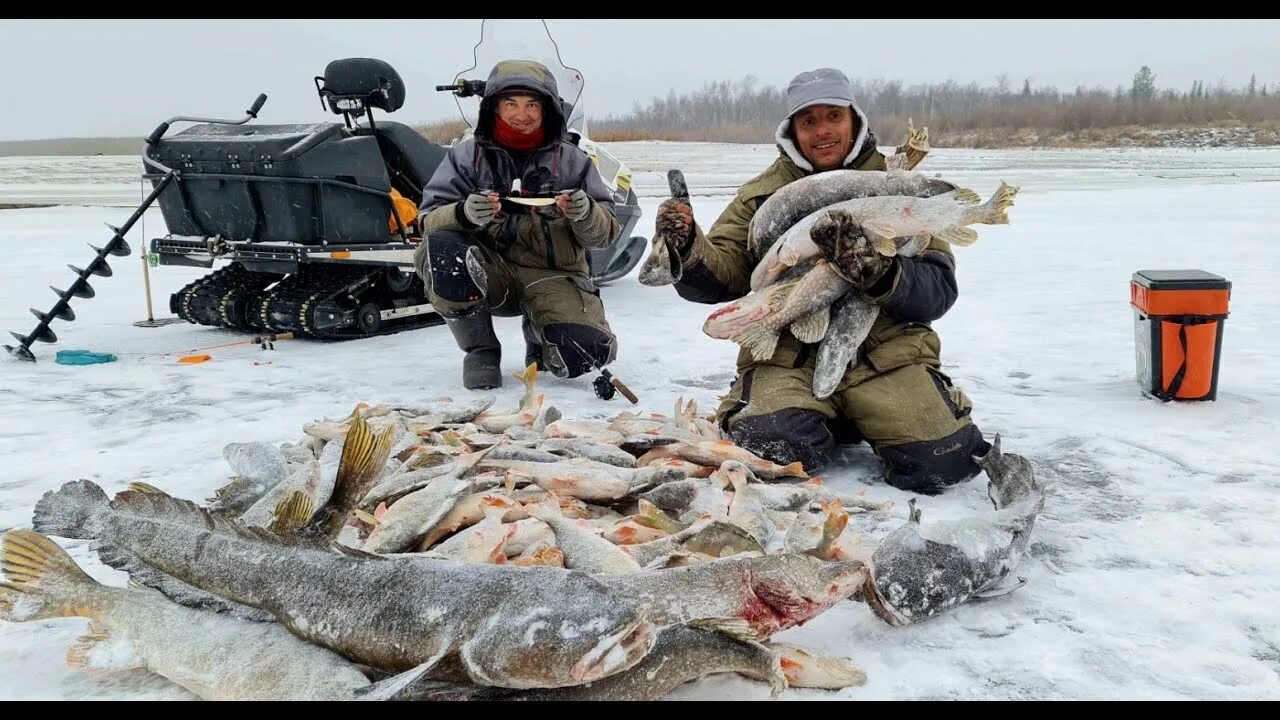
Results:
522 112
824 134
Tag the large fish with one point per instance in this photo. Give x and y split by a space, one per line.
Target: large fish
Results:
882 219
681 654
919 570
772 593
812 193
217 657
803 304
507 626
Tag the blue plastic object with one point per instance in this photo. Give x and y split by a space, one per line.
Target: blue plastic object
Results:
83 357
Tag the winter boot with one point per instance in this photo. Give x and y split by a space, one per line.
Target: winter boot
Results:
481 368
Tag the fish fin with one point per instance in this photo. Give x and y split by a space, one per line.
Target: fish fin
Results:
231 488
291 513
993 211
1000 589
651 516
761 340
364 457
392 687
146 488
529 378
168 508
338 548
69 511
795 469
98 651
965 196
736 628
367 518
812 327
703 540
880 233
804 667
49 581
832 527
957 235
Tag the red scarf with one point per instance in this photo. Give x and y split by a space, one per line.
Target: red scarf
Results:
512 139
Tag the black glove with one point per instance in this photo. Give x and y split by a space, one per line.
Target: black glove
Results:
851 255
675 224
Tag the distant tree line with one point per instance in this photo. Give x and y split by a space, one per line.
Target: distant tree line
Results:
748 111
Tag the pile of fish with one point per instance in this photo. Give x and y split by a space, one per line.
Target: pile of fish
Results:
444 550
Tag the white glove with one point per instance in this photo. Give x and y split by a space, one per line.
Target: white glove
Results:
577 206
478 209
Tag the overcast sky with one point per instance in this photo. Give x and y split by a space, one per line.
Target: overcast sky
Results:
83 78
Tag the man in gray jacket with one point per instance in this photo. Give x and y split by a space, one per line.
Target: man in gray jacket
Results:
488 253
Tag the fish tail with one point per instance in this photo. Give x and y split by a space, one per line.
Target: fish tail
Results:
40 579
292 513
994 210
70 511
808 668
364 457
795 469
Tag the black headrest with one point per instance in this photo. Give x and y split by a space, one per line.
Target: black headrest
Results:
369 80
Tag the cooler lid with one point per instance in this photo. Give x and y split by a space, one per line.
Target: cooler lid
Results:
1180 280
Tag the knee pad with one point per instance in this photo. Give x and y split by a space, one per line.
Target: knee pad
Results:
786 436
932 466
571 350
454 269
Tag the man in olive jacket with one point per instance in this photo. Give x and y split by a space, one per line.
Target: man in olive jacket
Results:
894 395
488 254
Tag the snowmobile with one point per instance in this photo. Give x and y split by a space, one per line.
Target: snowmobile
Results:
303 214
315 222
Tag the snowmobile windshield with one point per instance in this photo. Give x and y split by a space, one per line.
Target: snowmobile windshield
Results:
522 40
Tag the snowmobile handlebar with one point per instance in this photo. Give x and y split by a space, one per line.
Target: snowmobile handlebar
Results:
250 114
463 88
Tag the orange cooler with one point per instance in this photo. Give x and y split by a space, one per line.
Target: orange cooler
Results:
1178 319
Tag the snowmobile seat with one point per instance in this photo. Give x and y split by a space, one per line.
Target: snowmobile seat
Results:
350 86
411 158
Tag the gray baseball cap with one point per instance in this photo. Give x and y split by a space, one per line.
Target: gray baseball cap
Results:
824 86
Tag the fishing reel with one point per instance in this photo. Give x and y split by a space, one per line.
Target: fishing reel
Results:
606 385
604 389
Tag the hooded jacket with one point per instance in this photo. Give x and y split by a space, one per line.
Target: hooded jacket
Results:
717 268
531 237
